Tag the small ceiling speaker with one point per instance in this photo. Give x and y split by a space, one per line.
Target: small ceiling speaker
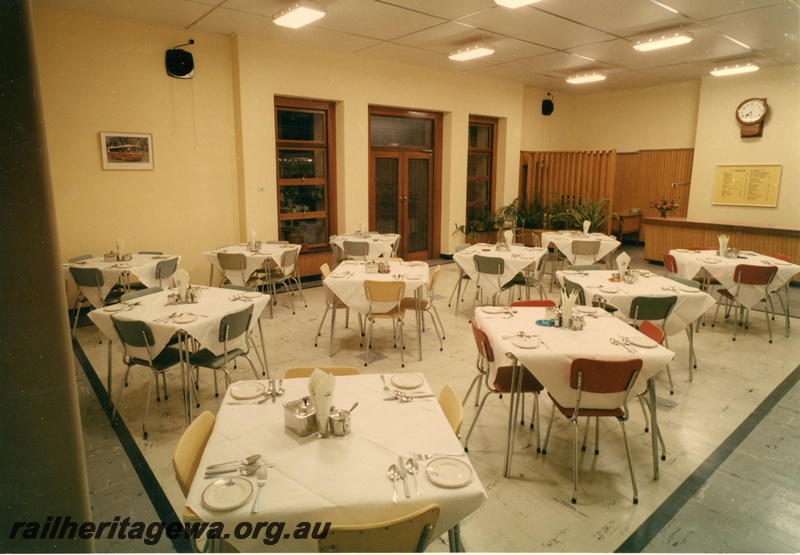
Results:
180 63
547 105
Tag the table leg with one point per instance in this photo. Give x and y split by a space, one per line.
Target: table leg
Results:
211 276
653 425
458 291
183 343
263 347
333 322
516 391
108 378
419 320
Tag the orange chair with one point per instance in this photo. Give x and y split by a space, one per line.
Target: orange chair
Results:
501 382
544 303
611 378
747 274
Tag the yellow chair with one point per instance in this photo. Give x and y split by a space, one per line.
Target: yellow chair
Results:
408 534
389 295
191 445
332 301
426 305
452 408
306 371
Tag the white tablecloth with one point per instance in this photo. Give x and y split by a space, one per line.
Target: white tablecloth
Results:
347 281
691 303
563 242
722 268
516 259
254 259
379 244
143 266
342 480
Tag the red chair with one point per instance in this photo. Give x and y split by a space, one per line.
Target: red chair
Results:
747 274
655 333
540 303
612 378
501 383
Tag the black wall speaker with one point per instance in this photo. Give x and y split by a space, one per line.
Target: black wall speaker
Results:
547 106
180 63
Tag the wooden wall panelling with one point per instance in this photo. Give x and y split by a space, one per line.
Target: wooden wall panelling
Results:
308 263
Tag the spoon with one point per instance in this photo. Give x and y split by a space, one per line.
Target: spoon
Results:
243 471
413 468
394 474
353 407
280 391
247 461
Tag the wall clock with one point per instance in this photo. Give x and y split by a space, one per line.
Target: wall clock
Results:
751 114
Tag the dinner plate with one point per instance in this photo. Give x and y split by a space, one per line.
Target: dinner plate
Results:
688 289
247 390
570 272
527 256
115 307
642 341
125 266
252 295
184 318
338 275
681 250
585 309
449 473
525 342
227 493
407 380
711 260
608 289
493 309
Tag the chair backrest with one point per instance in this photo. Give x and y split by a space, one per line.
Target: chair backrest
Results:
652 308
684 281
79 258
408 534
306 371
482 342
289 259
356 248
87 277
748 274
652 331
452 408
570 287
139 293
462 246
166 268
585 247
542 303
232 260
779 256
186 457
384 291
234 325
134 332
325 270
670 263
493 265
585 267
432 282
590 375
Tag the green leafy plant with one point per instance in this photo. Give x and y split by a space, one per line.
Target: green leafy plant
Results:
596 212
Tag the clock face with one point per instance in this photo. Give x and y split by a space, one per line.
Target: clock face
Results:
751 111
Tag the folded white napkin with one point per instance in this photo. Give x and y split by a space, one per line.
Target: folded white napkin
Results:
120 248
252 237
320 387
623 262
508 235
723 244
586 225
181 279
567 302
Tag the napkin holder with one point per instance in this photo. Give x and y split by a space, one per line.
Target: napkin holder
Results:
300 416
110 256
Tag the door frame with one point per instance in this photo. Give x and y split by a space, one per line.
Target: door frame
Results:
435 239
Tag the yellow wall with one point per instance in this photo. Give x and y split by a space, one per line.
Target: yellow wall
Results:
719 143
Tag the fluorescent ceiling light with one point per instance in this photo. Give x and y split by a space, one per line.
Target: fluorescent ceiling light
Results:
663 40
586 78
734 69
298 14
471 52
514 3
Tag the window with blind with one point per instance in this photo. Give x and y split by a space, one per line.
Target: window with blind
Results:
481 168
305 137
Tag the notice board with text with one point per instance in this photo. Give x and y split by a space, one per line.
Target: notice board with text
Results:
747 185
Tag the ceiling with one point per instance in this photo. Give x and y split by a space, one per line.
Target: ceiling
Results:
538 46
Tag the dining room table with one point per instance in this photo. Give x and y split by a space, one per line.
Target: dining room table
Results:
193 323
346 282
527 337
516 259
255 257
338 479
562 240
118 272
380 244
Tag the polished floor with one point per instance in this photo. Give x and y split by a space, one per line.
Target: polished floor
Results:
729 484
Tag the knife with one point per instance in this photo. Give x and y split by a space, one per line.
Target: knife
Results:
237 469
404 476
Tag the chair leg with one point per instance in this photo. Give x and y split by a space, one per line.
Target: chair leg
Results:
402 344
575 461
454 539
474 420
549 426
119 396
321 322
147 404
630 462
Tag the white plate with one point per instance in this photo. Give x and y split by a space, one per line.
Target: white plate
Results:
449 473
570 272
779 262
642 341
609 289
115 307
527 256
184 318
413 277
124 266
247 390
338 275
585 309
252 295
493 309
227 493
525 342
711 260
688 289
407 381
681 250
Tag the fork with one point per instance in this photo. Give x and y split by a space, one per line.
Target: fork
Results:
427 456
262 481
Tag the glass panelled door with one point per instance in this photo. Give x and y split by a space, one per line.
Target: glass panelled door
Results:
401 195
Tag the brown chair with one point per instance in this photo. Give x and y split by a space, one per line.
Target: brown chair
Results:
543 303
655 333
611 378
407 534
306 371
705 280
385 302
501 383
427 307
332 302
747 274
